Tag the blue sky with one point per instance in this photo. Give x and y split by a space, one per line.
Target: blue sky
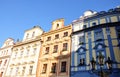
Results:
16 16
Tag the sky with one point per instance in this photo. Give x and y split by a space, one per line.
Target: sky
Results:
16 16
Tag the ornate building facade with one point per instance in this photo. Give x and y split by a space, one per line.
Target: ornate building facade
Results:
96 34
25 53
5 54
54 60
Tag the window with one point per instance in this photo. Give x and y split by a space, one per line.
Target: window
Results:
34 50
98 35
63 66
56 36
5 62
65 34
15 55
21 54
57 26
65 45
47 50
48 38
82 62
27 35
53 68
33 34
55 48
11 69
30 70
118 33
84 26
44 68
27 52
81 39
94 23
17 69
23 70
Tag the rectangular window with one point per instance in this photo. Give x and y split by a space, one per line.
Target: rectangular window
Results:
65 34
27 52
82 62
34 51
15 55
65 46
30 70
56 36
44 68
48 38
10 73
23 70
81 39
84 26
118 34
27 35
21 54
47 50
53 68
98 35
5 62
17 69
63 66
94 23
33 34
55 48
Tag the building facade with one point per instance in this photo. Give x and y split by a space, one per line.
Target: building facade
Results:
94 34
25 53
54 60
5 54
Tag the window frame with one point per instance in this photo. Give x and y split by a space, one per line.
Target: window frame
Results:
63 66
65 46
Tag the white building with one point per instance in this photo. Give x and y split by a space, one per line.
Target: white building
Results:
25 54
5 54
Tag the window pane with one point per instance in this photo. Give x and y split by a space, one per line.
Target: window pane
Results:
53 68
65 45
63 66
44 68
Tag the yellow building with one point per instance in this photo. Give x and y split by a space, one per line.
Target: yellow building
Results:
25 54
54 59
5 54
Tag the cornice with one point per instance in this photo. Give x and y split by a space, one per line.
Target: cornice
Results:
27 42
58 30
6 47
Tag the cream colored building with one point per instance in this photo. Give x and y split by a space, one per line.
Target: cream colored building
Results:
54 59
5 54
25 54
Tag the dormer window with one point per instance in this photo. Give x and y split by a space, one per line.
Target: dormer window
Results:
27 35
57 26
33 34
